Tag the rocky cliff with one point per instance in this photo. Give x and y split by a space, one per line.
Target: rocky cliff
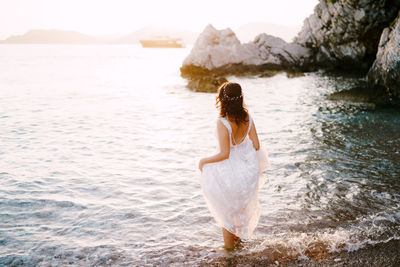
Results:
385 71
344 34
340 34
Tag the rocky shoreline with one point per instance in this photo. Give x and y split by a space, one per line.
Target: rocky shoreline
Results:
360 36
382 254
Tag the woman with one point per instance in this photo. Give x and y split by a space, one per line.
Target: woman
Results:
230 178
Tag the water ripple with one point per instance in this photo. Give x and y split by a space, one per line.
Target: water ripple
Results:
98 164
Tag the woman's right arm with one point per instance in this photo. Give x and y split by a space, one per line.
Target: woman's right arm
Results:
224 146
253 136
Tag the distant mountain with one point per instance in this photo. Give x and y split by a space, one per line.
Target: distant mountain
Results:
53 37
150 31
245 33
71 37
249 31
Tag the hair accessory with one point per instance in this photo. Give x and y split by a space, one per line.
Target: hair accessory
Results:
231 98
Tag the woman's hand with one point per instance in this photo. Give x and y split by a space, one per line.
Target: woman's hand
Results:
201 164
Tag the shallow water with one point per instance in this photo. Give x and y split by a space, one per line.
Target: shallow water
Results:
98 150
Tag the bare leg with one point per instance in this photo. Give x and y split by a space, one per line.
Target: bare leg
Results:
229 238
236 239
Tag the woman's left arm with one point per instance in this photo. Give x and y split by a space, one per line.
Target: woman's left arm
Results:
224 146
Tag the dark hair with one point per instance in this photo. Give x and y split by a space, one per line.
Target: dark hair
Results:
230 102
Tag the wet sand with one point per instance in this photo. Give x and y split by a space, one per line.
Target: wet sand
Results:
384 254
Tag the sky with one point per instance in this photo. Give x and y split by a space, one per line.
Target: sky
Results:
103 17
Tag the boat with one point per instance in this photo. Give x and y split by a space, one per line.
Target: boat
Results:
162 41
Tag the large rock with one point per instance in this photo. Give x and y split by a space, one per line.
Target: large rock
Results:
275 53
385 72
214 49
219 52
362 93
206 84
340 34
344 34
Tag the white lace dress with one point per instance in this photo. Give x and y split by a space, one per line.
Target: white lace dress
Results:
230 187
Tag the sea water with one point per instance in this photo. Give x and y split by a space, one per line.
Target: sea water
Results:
98 161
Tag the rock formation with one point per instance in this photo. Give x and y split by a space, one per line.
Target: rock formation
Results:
219 52
339 35
275 53
385 72
214 51
206 84
344 34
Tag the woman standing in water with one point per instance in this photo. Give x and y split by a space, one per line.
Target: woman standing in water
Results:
230 179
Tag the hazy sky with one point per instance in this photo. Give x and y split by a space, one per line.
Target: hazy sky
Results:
99 17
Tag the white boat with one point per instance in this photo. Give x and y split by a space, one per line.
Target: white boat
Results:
162 41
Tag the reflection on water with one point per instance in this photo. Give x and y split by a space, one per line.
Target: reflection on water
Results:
98 150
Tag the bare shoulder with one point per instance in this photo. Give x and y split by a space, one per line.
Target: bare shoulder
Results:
221 126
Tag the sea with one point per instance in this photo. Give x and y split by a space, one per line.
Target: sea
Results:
99 150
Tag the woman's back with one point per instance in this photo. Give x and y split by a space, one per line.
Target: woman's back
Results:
239 131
